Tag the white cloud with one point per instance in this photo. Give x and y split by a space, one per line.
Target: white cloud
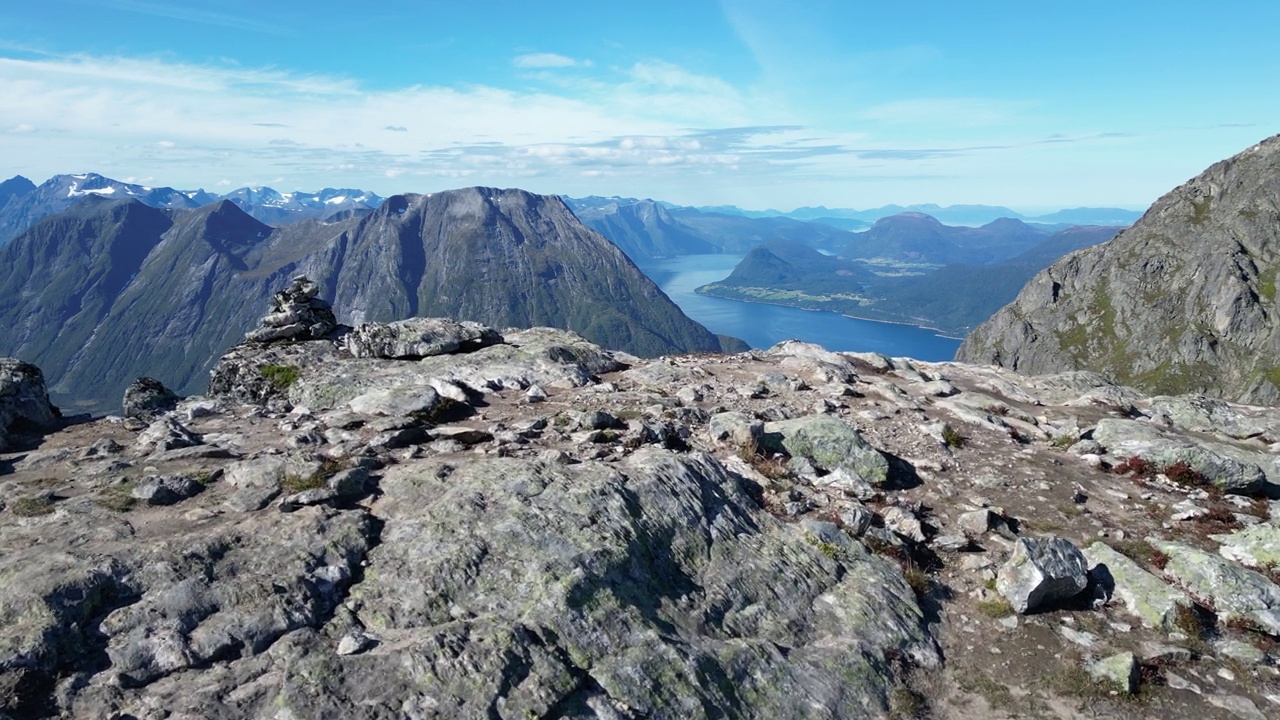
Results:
546 60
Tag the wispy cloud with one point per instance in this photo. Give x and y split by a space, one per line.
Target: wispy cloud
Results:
176 11
649 128
548 60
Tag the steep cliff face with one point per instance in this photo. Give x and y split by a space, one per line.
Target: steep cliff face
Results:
1183 301
111 290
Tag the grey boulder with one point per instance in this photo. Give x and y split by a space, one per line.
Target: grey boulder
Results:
147 397
1042 573
24 400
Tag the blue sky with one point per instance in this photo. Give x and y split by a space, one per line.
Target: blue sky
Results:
756 103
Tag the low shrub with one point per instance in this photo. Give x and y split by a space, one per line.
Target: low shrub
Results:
281 377
32 506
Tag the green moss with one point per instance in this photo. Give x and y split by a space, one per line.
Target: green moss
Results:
1200 210
952 437
831 550
1173 379
281 377
1267 287
1272 375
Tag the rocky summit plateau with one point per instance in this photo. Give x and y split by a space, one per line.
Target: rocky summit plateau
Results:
439 519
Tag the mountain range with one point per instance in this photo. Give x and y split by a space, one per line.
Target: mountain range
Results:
22 202
111 289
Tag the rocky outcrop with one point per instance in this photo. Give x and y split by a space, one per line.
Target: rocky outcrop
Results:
24 401
1183 301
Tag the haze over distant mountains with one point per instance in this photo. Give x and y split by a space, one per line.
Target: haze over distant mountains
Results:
950 214
924 273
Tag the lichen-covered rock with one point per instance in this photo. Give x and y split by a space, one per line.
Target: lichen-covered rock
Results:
399 401
1148 597
735 429
147 397
416 338
1257 546
830 444
1130 438
1119 670
1199 413
1230 589
166 490
24 401
1042 573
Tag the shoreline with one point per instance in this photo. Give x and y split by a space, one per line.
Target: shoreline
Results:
936 331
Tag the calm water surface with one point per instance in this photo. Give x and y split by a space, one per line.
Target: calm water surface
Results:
764 325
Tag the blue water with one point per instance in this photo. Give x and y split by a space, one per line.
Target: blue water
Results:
765 325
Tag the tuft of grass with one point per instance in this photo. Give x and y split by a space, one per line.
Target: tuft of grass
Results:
773 467
281 377
995 608
1193 622
1217 521
831 550
117 498
1159 560
33 506
952 437
1062 442
906 703
1259 508
1135 466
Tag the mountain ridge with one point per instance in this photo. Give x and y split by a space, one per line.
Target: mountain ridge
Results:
1182 301
111 289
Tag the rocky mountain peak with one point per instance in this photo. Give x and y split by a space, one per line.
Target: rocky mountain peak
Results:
1183 301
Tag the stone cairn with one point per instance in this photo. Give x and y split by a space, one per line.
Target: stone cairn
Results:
297 315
